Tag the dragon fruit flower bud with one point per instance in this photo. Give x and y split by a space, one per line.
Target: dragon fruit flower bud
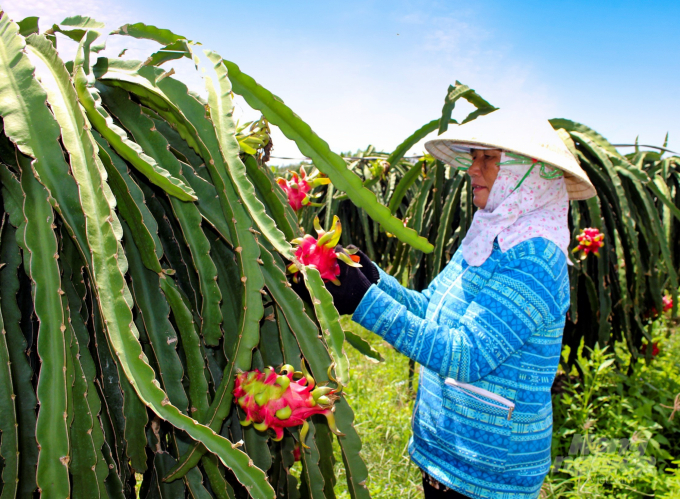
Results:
269 403
320 253
298 187
590 240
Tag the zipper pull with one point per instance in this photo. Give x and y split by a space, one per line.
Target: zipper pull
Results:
510 413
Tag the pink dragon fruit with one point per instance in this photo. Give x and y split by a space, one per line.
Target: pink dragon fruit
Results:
277 401
297 189
589 241
667 303
320 253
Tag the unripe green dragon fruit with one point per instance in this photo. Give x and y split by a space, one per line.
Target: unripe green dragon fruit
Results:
320 253
277 401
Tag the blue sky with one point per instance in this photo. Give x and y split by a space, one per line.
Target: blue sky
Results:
374 71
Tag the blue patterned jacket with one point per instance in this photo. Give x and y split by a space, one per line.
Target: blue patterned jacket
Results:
488 339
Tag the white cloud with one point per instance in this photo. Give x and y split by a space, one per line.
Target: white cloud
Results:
356 98
54 11
351 99
354 95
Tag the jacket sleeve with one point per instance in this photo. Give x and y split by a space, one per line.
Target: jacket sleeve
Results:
522 294
413 301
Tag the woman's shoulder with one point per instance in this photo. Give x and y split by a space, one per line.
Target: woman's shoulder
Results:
537 251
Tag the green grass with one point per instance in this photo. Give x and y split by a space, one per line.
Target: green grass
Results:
379 395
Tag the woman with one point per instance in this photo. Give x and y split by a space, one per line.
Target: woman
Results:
487 331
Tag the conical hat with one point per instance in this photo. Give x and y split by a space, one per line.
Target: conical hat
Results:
518 134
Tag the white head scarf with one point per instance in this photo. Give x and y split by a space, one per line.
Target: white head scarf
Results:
538 208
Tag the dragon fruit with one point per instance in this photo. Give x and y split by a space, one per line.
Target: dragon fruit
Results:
655 349
589 241
277 401
320 253
667 303
297 189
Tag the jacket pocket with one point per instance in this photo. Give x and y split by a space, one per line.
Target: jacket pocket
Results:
427 407
475 425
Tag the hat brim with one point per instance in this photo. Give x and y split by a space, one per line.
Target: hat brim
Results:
577 182
517 133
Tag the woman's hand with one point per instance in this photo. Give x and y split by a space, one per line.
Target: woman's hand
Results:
353 285
369 270
354 282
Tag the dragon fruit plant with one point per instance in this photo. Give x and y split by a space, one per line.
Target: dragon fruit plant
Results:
590 240
320 252
284 400
298 187
167 178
